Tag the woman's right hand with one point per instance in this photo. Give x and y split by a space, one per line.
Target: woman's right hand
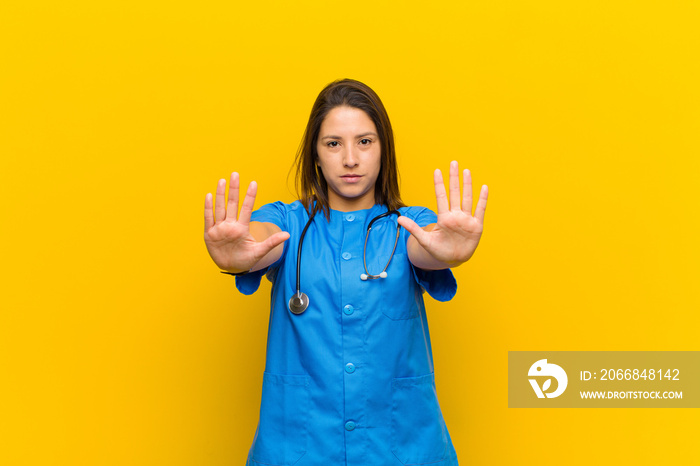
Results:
228 238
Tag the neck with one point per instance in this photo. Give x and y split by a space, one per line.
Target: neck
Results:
342 204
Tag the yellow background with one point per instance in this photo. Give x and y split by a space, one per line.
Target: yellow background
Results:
122 344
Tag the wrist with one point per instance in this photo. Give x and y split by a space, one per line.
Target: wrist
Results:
236 272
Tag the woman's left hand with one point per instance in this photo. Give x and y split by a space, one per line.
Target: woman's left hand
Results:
456 235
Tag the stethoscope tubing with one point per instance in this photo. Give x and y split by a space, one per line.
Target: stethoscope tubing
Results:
382 274
300 301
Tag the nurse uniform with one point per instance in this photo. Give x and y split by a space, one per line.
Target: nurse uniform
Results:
350 381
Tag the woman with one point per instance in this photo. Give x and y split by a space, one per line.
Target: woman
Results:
349 370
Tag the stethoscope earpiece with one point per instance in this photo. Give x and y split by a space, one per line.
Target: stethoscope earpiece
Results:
365 277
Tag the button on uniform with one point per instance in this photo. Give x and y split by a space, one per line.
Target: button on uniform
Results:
346 255
348 310
350 217
349 425
349 368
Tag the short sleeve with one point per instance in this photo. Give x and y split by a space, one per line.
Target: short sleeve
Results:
440 284
275 212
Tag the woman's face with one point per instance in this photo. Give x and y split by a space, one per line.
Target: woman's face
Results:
349 154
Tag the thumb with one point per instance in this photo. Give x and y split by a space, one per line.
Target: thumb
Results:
273 241
413 228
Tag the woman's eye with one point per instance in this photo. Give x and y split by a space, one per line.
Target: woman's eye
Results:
365 141
332 144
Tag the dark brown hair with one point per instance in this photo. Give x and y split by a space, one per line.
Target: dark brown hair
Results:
310 183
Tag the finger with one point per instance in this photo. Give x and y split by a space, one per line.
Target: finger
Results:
208 212
273 241
413 228
454 186
232 209
440 194
248 203
467 195
481 204
221 201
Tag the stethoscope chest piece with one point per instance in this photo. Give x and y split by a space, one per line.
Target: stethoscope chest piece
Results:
298 303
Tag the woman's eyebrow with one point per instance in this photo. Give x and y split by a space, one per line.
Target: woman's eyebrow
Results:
358 136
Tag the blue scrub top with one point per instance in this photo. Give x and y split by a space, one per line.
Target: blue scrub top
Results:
350 381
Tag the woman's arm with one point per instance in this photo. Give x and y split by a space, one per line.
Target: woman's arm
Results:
453 239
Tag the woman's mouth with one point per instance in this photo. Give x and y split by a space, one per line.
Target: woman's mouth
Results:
351 178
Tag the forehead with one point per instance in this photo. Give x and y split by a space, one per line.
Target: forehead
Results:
347 120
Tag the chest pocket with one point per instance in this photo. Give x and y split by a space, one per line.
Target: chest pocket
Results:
282 436
401 295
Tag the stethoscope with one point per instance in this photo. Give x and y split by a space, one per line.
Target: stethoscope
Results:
300 301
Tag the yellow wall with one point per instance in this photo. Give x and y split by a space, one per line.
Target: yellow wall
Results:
122 344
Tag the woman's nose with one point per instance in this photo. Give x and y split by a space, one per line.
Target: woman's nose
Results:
350 158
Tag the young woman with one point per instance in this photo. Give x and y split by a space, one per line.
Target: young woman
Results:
349 370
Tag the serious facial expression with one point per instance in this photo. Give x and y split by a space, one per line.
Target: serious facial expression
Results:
349 155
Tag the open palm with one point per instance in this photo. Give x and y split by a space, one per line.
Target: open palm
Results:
456 235
227 236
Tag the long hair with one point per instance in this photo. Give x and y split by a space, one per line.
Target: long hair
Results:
310 184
